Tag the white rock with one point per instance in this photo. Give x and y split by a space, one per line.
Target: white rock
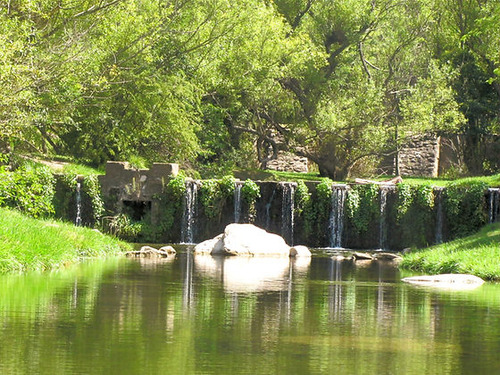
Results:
212 246
448 281
300 251
168 249
247 239
244 239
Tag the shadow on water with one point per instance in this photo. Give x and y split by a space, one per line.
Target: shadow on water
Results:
201 314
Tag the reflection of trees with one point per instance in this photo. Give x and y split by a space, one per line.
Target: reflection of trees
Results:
228 315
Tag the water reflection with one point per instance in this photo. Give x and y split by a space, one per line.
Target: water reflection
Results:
250 274
243 316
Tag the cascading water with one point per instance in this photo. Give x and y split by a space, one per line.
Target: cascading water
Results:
287 210
336 224
268 209
438 201
383 216
189 212
237 201
494 204
78 219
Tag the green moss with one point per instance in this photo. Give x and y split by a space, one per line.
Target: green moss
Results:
363 206
464 204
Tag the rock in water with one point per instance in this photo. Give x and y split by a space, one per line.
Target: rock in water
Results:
300 251
212 246
168 249
245 239
147 252
447 281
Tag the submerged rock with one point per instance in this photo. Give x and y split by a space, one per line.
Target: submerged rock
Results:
362 256
244 239
342 257
147 252
388 256
448 281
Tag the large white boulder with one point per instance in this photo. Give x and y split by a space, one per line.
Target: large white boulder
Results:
212 246
300 251
245 239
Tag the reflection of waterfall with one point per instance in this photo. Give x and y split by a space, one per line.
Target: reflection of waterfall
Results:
188 281
337 215
287 211
494 203
78 219
237 201
383 216
336 288
189 212
439 214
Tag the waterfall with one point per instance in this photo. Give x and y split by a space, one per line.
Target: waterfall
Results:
438 201
287 210
383 216
336 224
237 201
189 212
78 219
494 204
268 209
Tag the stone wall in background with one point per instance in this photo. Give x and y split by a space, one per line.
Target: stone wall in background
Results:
420 157
287 162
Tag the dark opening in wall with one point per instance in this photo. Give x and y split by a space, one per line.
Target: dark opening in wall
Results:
136 210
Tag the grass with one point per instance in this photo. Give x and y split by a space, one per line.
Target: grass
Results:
269 175
478 254
28 244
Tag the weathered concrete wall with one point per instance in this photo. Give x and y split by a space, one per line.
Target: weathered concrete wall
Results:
123 183
136 184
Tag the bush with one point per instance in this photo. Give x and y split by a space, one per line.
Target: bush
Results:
464 204
28 190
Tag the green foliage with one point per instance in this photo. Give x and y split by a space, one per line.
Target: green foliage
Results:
214 194
464 204
302 198
176 187
212 84
92 189
363 206
122 226
28 190
414 214
250 192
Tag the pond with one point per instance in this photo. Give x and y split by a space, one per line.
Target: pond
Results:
204 315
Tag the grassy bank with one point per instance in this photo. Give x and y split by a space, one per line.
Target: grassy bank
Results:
31 244
478 254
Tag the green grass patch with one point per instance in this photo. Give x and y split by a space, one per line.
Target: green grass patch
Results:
80 169
30 244
492 181
478 254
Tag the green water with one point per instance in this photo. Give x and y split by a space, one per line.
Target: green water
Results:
202 315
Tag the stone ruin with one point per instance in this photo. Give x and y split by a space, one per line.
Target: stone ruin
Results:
132 190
